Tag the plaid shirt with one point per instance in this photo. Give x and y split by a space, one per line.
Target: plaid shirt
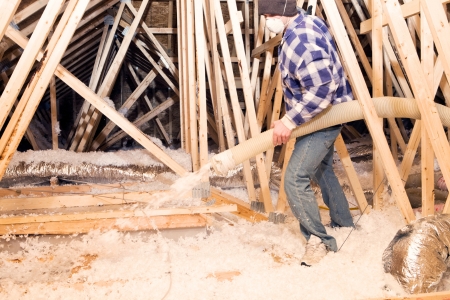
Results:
312 74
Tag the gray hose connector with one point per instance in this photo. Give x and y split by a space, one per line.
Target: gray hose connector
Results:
386 107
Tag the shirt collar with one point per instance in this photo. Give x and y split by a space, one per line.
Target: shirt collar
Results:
294 23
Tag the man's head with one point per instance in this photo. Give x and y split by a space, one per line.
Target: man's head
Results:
277 13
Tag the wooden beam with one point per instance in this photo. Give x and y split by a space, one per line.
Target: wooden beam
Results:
125 224
36 88
201 82
377 91
408 9
243 208
423 296
233 95
108 111
141 88
138 123
8 8
427 154
28 58
54 114
249 104
29 11
116 214
370 116
110 78
422 91
156 43
355 185
150 106
86 110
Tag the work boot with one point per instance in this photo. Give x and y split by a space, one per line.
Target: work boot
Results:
315 251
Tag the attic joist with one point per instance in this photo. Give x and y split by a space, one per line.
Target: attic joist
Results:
249 103
408 9
88 17
122 224
138 122
8 8
363 96
137 81
161 50
117 214
92 118
140 89
422 90
27 60
233 95
39 83
111 113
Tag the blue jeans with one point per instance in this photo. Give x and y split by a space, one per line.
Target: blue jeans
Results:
312 159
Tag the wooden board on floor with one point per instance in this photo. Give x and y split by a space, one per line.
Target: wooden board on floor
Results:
123 224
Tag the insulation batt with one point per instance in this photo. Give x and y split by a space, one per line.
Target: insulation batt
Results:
418 255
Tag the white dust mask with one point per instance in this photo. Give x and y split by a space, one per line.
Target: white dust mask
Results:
275 25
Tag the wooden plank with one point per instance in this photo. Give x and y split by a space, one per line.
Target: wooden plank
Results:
220 88
243 208
211 73
8 8
355 39
161 51
234 97
270 44
445 295
86 110
282 197
427 155
110 78
408 9
54 114
201 81
249 104
108 111
26 61
45 191
77 200
422 91
276 110
30 99
29 11
150 106
355 185
109 127
370 116
125 224
115 214
377 91
138 123
440 30
191 85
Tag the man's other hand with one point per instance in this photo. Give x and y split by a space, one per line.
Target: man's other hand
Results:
281 133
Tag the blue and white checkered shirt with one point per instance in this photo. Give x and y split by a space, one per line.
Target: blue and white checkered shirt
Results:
311 72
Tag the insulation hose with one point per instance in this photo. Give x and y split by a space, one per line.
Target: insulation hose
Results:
386 107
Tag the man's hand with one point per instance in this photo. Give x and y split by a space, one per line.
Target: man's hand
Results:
281 133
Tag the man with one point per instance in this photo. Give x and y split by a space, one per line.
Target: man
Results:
312 79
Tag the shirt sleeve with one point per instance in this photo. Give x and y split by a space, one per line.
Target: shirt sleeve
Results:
317 85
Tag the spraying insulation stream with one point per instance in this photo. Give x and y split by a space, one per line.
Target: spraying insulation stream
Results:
386 107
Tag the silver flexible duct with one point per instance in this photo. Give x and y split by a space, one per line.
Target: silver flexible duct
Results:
40 172
418 256
386 107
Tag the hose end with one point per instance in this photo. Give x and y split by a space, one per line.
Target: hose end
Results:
223 162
